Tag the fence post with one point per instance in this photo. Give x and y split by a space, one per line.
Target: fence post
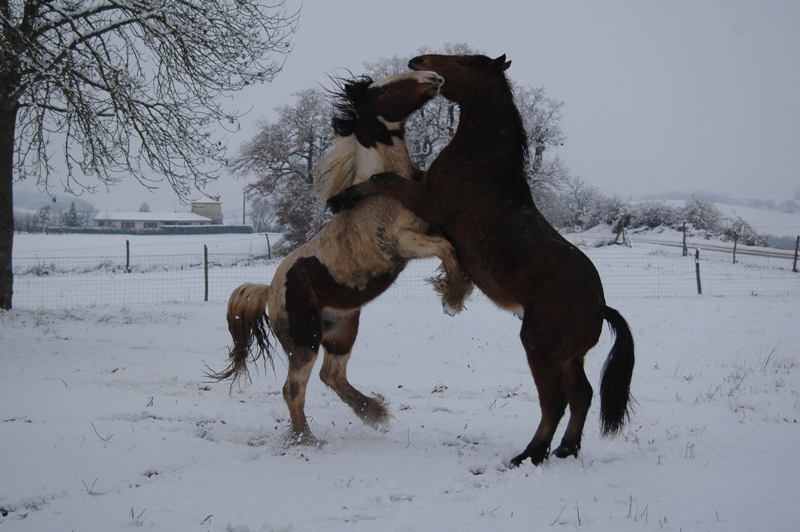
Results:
796 247
685 251
205 269
735 241
269 251
697 271
127 256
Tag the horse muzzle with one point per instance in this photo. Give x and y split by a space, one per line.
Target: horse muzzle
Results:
436 80
417 63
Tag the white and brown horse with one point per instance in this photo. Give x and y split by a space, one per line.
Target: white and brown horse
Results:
316 295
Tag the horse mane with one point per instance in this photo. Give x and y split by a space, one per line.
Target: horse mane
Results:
346 93
337 168
504 111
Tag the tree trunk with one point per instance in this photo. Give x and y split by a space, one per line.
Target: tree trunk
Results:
8 120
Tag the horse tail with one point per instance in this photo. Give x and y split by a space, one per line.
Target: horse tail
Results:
250 331
615 383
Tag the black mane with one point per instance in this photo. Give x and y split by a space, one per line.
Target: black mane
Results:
344 98
507 102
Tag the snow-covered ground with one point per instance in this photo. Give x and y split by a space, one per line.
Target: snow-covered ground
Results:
107 423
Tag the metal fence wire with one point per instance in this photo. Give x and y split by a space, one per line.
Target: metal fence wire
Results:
63 271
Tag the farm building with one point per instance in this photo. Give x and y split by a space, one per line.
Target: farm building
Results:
203 213
148 220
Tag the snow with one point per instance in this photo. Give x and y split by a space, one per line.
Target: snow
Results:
108 423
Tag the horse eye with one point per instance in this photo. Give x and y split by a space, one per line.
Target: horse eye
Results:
383 90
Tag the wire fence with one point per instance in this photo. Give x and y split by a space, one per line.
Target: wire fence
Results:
62 271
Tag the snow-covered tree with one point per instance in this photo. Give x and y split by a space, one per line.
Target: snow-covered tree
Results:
262 215
72 218
127 88
44 216
283 157
702 214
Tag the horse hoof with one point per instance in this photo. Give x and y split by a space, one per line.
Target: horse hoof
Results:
537 456
564 451
305 439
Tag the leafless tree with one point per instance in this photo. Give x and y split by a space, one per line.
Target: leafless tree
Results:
283 157
126 87
262 215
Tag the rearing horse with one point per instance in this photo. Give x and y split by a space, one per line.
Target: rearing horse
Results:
476 194
317 292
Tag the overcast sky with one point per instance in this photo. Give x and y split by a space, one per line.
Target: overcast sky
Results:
658 96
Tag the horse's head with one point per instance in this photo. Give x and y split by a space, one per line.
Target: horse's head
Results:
462 72
369 113
364 105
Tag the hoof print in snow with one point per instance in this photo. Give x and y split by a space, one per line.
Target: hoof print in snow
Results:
477 470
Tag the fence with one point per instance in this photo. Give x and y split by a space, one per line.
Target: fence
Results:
61 271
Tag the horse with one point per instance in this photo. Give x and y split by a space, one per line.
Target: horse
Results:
475 193
318 290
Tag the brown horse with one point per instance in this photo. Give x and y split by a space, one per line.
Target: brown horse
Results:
317 292
476 194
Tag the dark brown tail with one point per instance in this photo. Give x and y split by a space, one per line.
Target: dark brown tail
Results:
615 383
250 330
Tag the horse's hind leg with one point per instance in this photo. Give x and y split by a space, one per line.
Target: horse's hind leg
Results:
301 362
339 337
550 379
579 393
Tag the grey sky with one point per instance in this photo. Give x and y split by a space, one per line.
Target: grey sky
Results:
657 95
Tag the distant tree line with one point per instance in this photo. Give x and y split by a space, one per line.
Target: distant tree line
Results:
49 216
789 205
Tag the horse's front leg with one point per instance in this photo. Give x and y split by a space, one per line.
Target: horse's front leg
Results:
452 285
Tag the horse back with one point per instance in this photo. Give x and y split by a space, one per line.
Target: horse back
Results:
517 259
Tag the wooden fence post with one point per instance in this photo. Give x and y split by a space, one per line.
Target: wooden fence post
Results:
205 268
796 247
269 251
685 251
735 241
697 271
127 256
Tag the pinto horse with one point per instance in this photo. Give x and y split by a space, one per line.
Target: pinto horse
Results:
317 292
476 194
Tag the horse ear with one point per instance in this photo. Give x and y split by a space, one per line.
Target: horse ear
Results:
501 63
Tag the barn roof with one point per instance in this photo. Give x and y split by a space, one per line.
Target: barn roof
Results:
120 216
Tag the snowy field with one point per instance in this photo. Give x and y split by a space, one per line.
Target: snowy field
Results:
109 424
